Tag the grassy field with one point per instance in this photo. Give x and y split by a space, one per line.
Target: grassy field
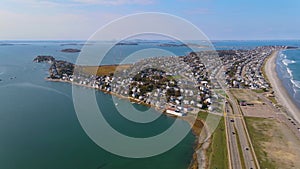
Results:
245 95
217 151
202 115
259 137
273 100
220 92
103 70
258 90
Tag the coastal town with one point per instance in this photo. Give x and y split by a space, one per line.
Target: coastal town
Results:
176 85
149 84
221 83
243 68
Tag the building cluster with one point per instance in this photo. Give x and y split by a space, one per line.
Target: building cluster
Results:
175 84
243 68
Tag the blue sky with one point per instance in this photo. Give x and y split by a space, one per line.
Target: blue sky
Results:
218 19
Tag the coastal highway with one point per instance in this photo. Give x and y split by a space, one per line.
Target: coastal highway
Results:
234 122
244 139
235 161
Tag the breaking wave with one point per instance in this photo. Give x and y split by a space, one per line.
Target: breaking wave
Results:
296 83
290 72
283 56
286 62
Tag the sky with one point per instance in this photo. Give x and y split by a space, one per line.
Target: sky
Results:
218 19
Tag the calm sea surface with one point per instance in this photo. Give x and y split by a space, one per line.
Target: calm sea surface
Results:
39 127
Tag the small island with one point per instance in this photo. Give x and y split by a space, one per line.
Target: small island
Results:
43 58
172 45
127 43
69 50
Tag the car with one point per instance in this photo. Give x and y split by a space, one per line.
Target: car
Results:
231 120
233 133
247 148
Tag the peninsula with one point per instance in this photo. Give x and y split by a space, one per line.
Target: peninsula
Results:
190 87
146 83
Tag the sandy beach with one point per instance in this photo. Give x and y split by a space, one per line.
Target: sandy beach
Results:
281 94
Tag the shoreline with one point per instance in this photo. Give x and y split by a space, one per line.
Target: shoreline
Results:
107 92
281 93
196 127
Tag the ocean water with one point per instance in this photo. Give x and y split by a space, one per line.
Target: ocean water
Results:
39 127
288 69
248 44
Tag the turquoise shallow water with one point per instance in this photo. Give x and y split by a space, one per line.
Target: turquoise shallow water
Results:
39 127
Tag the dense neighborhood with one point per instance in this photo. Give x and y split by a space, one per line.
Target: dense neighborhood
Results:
175 84
243 68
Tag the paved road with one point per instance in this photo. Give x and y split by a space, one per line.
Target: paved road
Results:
232 140
247 148
234 121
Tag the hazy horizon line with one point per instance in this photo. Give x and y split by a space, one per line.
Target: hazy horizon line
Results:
288 39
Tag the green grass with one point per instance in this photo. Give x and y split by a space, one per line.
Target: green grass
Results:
273 100
258 138
258 90
177 77
217 151
202 115
220 92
